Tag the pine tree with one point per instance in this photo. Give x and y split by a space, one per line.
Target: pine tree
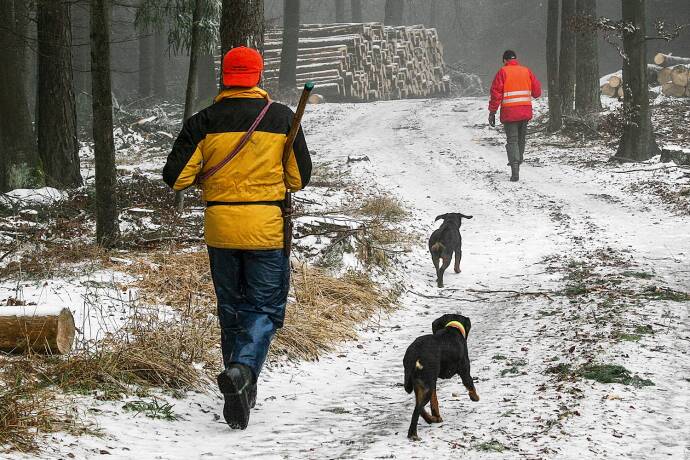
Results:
287 79
638 142
566 61
242 24
107 227
587 97
57 112
552 29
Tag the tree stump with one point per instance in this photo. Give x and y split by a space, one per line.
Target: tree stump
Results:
40 329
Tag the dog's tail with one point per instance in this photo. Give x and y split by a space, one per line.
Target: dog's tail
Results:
437 248
410 373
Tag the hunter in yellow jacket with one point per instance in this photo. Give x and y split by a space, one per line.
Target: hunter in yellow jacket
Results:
243 219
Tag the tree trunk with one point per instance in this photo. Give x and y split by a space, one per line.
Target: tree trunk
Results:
81 59
287 80
20 165
555 114
57 114
207 83
39 329
394 11
242 24
107 227
356 7
161 57
567 63
433 14
145 63
638 142
587 98
339 10
665 60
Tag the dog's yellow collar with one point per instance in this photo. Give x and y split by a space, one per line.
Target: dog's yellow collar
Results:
458 325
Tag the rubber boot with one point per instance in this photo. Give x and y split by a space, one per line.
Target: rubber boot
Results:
515 172
236 384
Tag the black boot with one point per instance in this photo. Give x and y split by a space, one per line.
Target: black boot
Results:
515 172
252 396
236 384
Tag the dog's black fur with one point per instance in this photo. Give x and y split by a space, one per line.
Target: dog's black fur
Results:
446 241
438 356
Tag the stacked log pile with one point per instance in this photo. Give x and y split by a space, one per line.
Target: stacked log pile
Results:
364 62
673 75
613 85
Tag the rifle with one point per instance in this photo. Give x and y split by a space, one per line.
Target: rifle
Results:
292 134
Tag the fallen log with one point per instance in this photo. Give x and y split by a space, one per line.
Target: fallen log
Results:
40 329
608 91
664 75
668 60
673 90
615 81
679 75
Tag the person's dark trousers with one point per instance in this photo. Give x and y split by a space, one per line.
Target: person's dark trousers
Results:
516 134
252 289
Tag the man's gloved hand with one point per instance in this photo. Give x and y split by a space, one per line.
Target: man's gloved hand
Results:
492 119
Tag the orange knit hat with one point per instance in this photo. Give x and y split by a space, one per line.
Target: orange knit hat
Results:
242 66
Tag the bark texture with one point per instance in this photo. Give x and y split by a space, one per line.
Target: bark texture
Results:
552 26
567 59
20 165
587 97
242 24
638 142
57 112
107 228
38 329
287 79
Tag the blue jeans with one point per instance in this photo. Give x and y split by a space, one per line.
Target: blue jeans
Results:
252 289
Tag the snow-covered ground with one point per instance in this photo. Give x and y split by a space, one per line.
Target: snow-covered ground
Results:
438 156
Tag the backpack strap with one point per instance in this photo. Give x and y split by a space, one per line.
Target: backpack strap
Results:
240 145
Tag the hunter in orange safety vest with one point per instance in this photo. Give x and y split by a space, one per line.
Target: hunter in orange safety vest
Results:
512 90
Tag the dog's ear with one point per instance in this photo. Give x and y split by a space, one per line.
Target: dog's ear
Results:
439 323
442 216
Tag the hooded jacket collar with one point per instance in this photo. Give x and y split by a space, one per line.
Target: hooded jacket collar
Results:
512 62
242 93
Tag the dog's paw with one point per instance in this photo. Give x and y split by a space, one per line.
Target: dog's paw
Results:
437 419
457 270
414 437
474 396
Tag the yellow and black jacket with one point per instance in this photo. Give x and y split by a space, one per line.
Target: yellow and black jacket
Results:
256 175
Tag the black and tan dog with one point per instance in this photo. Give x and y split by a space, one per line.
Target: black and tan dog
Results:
440 355
446 241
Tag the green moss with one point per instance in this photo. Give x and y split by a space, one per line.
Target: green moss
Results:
636 274
613 373
491 446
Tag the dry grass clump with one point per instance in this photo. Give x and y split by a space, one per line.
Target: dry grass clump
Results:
49 259
326 311
24 412
384 208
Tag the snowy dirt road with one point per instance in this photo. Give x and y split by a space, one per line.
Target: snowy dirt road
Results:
438 157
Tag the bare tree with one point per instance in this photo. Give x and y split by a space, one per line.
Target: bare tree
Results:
145 62
552 29
160 80
394 12
567 59
242 24
638 142
57 114
287 80
339 10
587 97
19 161
107 228
207 83
356 7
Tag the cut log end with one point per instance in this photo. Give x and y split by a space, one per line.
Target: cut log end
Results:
38 329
